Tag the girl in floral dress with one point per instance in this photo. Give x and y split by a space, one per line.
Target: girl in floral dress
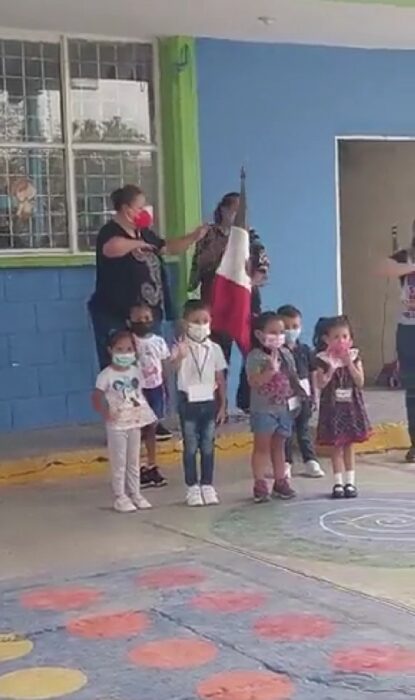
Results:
343 419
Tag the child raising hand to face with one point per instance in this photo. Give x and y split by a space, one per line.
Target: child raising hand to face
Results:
275 398
343 420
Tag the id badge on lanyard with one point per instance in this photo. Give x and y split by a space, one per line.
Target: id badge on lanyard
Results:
344 395
201 391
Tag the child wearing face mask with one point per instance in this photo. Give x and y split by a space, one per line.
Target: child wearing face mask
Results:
306 370
343 419
152 355
200 376
118 398
276 397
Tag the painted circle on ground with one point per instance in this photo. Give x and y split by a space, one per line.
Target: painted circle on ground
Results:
171 577
294 628
174 653
374 531
13 646
41 683
390 523
374 659
110 626
246 685
60 599
228 601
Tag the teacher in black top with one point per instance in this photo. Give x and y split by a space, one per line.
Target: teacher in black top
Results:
130 268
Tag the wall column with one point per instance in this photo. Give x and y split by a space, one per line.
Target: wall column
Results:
180 142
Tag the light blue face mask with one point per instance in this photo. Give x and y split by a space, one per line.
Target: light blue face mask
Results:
123 359
292 335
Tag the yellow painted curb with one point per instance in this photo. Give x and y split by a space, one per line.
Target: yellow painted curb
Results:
386 436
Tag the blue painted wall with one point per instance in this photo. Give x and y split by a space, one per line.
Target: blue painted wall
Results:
47 362
47 352
277 109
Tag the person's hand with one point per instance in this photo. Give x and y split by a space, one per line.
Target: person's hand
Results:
143 247
179 351
268 371
259 278
200 232
221 416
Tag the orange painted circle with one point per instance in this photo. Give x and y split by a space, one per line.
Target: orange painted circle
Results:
294 628
174 653
60 598
376 659
112 626
170 577
246 685
228 601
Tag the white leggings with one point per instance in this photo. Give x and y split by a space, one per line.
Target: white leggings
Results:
124 457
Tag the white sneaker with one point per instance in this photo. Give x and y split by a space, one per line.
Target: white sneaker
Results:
313 469
210 496
140 502
288 469
194 496
123 504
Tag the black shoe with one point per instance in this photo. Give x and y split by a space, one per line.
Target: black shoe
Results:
410 456
151 478
338 492
350 491
162 433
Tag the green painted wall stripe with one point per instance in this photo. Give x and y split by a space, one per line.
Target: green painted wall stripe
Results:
180 140
36 260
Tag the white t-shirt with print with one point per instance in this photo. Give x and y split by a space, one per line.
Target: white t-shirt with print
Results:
152 351
199 366
127 405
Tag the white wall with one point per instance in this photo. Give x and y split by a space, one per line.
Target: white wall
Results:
377 191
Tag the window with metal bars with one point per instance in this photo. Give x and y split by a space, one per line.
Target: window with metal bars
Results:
77 120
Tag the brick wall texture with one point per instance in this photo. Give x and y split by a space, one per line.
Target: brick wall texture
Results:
47 357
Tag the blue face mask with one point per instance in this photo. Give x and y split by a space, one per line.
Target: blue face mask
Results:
292 335
123 359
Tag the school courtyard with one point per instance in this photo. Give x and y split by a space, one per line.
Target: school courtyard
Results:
311 599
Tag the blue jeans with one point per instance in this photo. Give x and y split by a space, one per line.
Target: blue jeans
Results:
197 422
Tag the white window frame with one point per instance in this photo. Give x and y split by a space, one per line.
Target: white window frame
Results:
69 147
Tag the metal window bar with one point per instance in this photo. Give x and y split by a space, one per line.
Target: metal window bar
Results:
70 147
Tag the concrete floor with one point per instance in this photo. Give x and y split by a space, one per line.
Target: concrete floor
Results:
383 407
354 569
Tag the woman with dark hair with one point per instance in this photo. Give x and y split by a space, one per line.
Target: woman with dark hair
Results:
130 270
401 266
209 253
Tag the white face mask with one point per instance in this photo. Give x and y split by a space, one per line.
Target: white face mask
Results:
198 331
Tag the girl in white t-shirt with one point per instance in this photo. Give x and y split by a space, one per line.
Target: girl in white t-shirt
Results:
120 401
152 354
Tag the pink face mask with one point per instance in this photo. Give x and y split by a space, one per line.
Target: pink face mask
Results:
272 341
143 219
339 347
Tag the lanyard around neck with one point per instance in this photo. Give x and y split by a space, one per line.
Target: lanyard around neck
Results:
200 367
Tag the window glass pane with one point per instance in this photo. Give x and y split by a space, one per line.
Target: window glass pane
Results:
32 199
30 92
112 92
98 173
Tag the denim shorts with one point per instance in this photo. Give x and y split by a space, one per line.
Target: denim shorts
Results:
280 423
155 399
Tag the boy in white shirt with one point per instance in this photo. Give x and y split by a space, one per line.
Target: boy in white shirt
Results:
200 375
120 401
152 354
